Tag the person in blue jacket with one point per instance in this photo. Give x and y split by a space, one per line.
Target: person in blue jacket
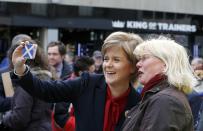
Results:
99 100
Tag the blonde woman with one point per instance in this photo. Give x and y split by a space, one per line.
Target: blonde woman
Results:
165 72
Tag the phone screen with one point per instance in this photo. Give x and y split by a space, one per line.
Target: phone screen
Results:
29 51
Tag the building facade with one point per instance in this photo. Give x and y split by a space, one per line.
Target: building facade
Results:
84 24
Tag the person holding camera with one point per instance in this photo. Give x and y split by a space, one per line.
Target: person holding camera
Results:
99 100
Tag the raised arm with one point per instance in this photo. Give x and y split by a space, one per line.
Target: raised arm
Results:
51 91
18 60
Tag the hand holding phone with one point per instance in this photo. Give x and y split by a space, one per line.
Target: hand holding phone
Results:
29 50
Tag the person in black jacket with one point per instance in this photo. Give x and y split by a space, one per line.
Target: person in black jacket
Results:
5 102
56 52
28 113
99 100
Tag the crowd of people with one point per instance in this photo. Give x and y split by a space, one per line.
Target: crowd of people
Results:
130 85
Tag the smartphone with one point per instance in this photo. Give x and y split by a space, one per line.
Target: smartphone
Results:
29 50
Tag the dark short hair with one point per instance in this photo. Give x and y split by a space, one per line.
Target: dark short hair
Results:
61 46
82 64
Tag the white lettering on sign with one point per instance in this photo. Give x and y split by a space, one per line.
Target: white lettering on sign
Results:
152 25
160 26
118 24
136 25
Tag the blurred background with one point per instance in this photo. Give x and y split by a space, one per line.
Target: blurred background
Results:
83 24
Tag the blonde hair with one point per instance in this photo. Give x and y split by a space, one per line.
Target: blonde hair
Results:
178 70
126 41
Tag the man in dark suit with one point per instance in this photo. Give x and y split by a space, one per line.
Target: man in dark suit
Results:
56 53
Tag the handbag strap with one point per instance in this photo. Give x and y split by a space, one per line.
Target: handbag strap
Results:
8 86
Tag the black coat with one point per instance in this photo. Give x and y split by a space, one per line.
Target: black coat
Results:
66 71
5 103
27 112
87 94
61 114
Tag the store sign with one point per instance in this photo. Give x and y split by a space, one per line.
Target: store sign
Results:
143 25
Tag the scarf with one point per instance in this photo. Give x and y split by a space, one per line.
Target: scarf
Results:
150 84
